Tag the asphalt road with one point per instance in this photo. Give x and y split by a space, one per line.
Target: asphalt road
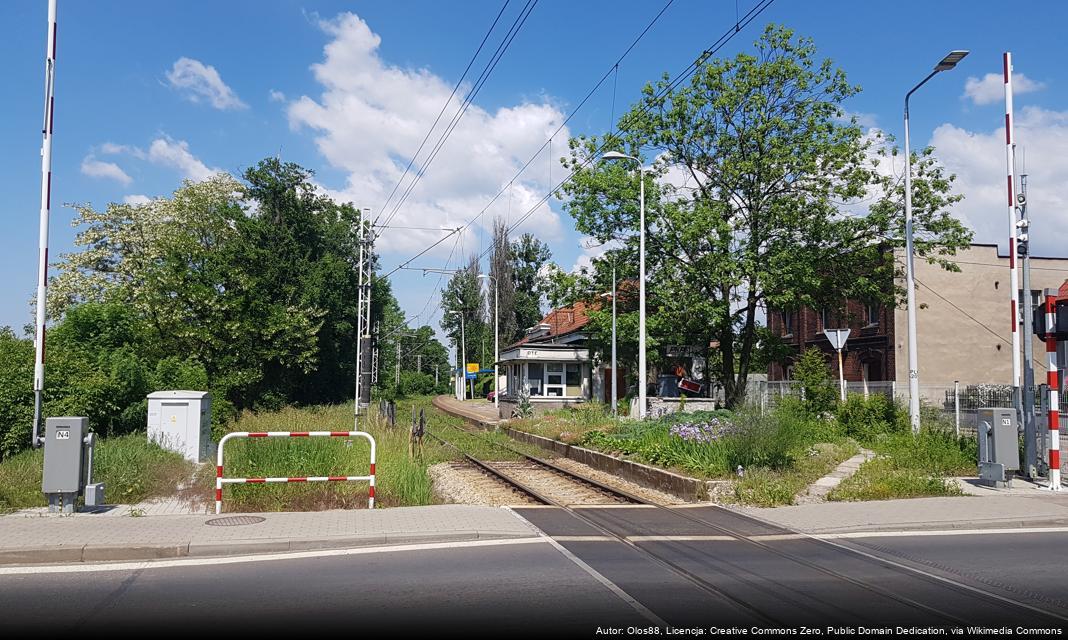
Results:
672 571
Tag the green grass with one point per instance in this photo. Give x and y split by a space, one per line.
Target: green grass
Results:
132 469
910 466
766 487
568 425
781 453
400 481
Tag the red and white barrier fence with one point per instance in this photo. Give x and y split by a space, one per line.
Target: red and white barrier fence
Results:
220 480
1054 386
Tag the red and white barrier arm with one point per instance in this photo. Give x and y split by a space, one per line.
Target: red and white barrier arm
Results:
1054 386
220 480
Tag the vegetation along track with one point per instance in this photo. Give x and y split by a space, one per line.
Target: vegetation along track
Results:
741 527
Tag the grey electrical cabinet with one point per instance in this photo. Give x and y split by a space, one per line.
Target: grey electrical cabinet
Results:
999 449
64 455
181 421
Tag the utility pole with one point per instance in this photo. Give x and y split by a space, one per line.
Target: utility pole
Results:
364 356
1028 418
419 362
397 365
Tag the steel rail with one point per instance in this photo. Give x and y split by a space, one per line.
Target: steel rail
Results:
686 574
887 564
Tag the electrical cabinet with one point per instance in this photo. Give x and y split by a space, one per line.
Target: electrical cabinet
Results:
180 421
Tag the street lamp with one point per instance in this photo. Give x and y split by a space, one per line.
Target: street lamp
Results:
947 63
463 348
615 155
615 372
496 343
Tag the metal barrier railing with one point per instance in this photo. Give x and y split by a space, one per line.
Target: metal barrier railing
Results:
220 480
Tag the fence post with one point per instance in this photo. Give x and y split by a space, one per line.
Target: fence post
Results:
956 407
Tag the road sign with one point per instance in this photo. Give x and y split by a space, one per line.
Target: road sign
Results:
472 367
837 337
470 376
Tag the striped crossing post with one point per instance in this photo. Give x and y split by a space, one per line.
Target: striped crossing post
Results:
220 480
1010 171
46 207
1052 380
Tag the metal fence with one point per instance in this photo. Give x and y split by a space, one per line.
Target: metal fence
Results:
956 405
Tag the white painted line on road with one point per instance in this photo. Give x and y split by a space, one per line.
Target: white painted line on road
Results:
922 533
642 610
611 506
265 557
682 538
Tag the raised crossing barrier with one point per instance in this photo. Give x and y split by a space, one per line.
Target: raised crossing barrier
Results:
220 480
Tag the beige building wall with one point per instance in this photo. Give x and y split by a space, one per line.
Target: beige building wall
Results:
962 319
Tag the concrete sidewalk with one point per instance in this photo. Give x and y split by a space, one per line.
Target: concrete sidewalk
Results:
1042 509
86 537
481 412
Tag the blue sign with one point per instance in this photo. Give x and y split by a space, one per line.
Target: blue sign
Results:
470 376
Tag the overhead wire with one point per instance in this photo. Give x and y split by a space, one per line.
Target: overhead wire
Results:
686 73
479 83
569 117
445 106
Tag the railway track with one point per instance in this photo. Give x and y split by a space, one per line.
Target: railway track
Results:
878 580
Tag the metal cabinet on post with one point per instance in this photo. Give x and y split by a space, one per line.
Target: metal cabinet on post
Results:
181 421
68 464
999 454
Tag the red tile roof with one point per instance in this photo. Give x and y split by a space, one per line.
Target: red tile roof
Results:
561 322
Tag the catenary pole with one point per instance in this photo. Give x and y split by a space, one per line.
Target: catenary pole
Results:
46 206
1028 392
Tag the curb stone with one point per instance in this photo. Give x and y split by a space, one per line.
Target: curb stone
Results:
57 554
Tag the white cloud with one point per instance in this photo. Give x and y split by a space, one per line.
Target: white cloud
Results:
175 154
136 198
199 81
991 88
98 169
276 96
110 148
372 116
978 160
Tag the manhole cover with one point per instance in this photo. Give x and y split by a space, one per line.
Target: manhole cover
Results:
234 521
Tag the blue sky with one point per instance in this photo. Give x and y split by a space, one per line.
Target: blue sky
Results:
149 93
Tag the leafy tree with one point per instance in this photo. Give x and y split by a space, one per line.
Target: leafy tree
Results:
503 285
463 296
769 161
529 256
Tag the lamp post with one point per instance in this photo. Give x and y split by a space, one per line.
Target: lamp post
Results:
496 342
615 372
463 349
947 63
615 155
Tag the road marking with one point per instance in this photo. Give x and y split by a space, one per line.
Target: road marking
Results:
682 538
611 506
640 608
265 557
923 533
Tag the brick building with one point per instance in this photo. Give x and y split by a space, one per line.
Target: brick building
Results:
962 321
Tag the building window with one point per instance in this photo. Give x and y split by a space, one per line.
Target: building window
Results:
787 323
872 313
824 317
535 378
554 379
573 379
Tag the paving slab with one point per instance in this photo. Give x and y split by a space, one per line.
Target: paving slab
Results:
86 537
920 513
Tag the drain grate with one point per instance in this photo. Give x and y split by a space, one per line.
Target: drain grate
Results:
234 521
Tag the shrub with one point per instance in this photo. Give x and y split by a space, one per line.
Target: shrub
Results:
820 394
866 419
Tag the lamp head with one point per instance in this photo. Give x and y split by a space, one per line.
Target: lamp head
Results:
616 155
951 60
